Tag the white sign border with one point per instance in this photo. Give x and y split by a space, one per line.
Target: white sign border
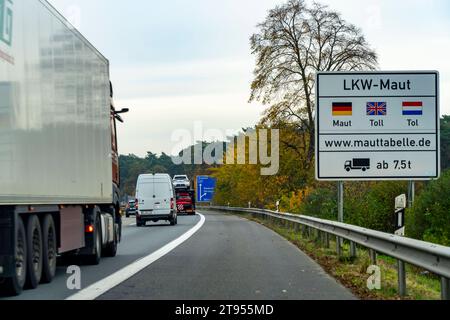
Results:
379 178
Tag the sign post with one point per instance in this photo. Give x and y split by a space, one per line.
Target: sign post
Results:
411 193
400 206
339 241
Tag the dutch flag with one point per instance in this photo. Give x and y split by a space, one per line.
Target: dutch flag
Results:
413 108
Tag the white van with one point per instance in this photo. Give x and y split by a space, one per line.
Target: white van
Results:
155 199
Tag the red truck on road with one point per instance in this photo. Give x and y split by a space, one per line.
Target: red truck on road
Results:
185 201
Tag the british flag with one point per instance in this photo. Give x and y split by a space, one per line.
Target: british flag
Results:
376 108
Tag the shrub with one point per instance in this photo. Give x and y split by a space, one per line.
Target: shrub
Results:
430 216
321 203
381 205
366 204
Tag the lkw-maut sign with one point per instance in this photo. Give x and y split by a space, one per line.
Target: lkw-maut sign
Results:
377 126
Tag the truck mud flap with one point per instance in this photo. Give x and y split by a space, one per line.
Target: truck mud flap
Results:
7 235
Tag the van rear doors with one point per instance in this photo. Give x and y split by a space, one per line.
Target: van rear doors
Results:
155 194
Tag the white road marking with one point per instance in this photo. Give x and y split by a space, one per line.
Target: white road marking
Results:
99 288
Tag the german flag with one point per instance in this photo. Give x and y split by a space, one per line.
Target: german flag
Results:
342 109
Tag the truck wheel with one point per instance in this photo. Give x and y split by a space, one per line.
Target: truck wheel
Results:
14 286
49 249
35 253
111 248
94 259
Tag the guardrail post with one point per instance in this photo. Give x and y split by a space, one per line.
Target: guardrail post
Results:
338 247
318 236
373 256
401 278
327 240
445 289
322 238
353 252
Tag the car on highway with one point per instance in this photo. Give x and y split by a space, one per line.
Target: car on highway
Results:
181 182
131 208
155 199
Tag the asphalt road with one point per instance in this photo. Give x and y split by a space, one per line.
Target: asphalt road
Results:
228 258
236 259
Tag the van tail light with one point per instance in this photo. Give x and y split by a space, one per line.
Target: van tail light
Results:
89 229
172 204
136 205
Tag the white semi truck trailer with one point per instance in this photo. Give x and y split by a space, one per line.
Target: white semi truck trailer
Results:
59 171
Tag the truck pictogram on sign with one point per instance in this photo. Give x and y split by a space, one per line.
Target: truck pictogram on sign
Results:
357 164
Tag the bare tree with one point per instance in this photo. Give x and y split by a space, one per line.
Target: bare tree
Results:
293 43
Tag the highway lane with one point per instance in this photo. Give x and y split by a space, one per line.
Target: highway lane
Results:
136 243
231 258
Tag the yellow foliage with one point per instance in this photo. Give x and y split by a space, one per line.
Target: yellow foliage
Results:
297 198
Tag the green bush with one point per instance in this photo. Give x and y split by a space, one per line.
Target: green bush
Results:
321 203
429 219
381 205
366 204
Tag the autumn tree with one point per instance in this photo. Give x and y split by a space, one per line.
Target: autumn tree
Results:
292 44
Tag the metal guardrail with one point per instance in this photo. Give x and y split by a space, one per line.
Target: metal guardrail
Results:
432 257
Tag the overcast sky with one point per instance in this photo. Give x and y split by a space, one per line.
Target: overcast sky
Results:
178 62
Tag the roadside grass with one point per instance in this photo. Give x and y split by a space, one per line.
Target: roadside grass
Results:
352 272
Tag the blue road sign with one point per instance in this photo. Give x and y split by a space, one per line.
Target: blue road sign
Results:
206 187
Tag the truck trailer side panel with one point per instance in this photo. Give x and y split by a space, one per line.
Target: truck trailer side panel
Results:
55 138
